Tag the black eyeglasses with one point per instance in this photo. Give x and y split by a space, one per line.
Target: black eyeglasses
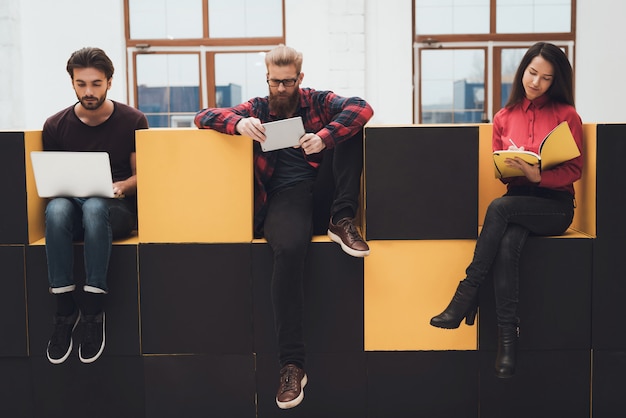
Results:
288 82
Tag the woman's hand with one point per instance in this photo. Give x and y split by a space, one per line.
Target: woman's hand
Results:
531 171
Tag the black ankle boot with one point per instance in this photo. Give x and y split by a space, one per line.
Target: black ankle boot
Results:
507 350
463 305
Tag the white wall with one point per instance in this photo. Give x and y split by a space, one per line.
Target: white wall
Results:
11 96
360 47
50 32
600 61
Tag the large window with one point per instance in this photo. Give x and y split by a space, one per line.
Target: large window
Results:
184 55
467 51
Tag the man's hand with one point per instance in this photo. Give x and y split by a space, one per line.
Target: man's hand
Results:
118 190
251 127
311 144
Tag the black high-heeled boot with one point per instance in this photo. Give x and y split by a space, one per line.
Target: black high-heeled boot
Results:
464 304
507 350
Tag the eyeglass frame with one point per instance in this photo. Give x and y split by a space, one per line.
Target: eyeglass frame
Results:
287 82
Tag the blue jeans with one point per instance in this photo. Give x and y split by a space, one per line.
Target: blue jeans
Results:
508 222
95 220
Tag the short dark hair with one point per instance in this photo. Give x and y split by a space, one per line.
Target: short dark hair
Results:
90 58
562 87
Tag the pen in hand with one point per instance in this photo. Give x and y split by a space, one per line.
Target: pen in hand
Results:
514 146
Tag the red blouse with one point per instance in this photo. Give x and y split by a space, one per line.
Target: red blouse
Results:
527 123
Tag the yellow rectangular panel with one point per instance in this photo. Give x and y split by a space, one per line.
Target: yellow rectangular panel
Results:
194 185
585 188
36 205
489 187
406 284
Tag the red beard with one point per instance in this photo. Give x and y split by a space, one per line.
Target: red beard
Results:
284 106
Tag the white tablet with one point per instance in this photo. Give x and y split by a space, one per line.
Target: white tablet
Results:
282 133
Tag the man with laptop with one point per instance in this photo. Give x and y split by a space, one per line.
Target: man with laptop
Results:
93 124
287 187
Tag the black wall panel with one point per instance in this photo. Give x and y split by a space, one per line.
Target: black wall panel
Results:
200 386
16 388
609 386
611 182
113 386
433 384
421 182
196 298
609 294
13 302
547 384
13 214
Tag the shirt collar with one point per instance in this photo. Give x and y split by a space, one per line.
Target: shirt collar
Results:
539 102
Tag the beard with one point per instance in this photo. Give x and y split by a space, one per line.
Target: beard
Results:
88 103
284 105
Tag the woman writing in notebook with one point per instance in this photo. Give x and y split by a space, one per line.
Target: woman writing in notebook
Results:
539 202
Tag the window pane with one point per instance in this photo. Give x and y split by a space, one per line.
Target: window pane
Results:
254 18
511 58
165 19
451 17
239 77
540 16
168 88
452 86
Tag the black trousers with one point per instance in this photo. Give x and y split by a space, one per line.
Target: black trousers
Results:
508 222
294 215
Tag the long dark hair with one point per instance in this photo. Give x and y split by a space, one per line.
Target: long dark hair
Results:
561 89
90 58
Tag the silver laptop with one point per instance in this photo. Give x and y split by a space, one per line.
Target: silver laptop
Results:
282 133
72 174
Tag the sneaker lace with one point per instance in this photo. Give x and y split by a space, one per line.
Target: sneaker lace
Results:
92 328
90 333
290 380
352 232
59 336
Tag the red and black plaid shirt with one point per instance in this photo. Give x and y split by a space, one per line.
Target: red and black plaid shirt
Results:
333 118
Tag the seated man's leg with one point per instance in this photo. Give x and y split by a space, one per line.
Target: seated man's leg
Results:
288 230
63 226
347 169
103 220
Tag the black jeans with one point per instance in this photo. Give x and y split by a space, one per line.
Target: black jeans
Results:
508 222
289 226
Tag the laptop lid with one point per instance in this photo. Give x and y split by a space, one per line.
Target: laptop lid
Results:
282 133
72 174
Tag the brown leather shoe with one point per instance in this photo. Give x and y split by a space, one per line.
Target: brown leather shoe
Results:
345 234
291 389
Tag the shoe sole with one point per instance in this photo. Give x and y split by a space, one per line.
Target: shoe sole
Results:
444 326
97 355
69 349
294 402
354 253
